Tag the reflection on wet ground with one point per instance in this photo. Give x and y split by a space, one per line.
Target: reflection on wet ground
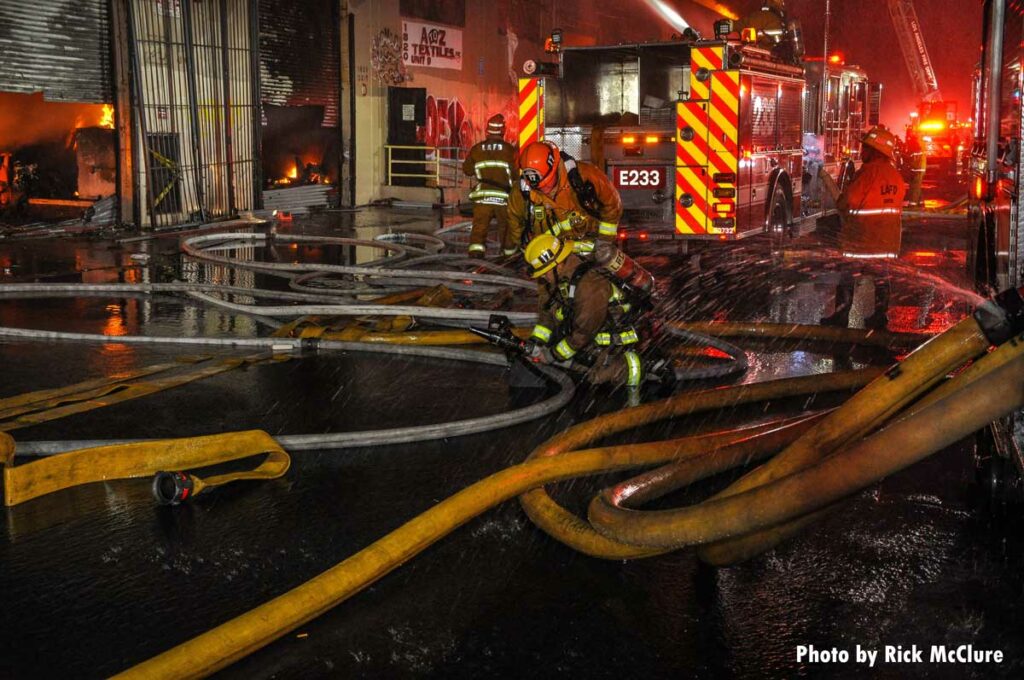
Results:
97 578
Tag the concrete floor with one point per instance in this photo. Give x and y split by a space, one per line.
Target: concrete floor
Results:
98 578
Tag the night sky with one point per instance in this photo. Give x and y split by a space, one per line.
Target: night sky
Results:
863 32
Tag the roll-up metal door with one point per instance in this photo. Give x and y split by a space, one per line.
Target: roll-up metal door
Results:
194 77
299 58
58 47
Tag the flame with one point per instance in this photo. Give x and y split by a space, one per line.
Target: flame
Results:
107 117
293 172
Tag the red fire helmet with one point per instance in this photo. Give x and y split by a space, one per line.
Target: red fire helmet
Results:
538 163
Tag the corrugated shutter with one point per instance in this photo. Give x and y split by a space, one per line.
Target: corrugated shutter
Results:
59 48
791 116
299 60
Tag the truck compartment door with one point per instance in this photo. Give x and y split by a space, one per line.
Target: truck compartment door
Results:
691 191
723 150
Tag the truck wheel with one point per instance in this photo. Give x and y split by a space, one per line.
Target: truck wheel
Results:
778 221
998 480
981 263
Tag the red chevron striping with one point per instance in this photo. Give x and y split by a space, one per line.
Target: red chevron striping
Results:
688 158
528 119
724 141
699 193
692 222
728 83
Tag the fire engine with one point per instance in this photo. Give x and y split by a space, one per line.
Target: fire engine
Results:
940 134
995 219
719 138
934 125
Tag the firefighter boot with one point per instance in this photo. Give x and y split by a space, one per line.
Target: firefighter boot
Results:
879 318
844 301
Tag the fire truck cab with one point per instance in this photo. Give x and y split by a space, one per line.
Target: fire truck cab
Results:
706 139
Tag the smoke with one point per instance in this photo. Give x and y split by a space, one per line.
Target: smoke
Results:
27 119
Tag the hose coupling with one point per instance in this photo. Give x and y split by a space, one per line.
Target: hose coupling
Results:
171 488
1002 318
309 346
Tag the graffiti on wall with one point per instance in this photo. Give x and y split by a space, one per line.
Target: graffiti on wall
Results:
386 58
450 122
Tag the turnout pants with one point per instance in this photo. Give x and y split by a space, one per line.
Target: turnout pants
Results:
483 213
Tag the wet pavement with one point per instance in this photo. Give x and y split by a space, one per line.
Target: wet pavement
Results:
97 578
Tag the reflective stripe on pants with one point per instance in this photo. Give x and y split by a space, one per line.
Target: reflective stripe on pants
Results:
483 213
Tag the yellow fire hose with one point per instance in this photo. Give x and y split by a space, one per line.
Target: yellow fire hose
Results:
938 423
235 639
823 460
867 409
22 403
144 459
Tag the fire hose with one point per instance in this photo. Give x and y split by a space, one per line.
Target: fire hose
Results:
823 459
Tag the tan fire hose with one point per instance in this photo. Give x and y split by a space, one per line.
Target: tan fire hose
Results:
33 408
826 459
235 639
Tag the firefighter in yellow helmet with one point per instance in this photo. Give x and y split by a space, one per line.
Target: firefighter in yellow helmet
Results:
492 162
563 197
871 222
582 315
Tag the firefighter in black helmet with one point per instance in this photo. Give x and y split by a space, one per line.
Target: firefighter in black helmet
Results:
492 163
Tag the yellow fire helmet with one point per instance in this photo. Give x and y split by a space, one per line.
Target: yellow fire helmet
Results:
544 252
880 139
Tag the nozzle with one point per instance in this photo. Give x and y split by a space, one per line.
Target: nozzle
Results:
171 488
1003 318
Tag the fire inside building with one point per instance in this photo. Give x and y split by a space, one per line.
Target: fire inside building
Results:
453 338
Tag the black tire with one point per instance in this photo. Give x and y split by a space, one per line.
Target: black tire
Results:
981 256
779 229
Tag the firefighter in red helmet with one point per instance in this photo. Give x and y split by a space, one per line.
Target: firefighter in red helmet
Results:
492 163
558 195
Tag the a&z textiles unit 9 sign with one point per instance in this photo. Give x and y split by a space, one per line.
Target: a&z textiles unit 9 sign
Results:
431 45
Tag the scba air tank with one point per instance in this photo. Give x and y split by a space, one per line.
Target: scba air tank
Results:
622 267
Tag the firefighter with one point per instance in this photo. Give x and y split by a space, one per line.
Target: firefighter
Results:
492 162
769 20
775 31
917 161
562 197
870 214
582 314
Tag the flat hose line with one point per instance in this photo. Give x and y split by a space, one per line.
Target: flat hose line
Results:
199 292
47 405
